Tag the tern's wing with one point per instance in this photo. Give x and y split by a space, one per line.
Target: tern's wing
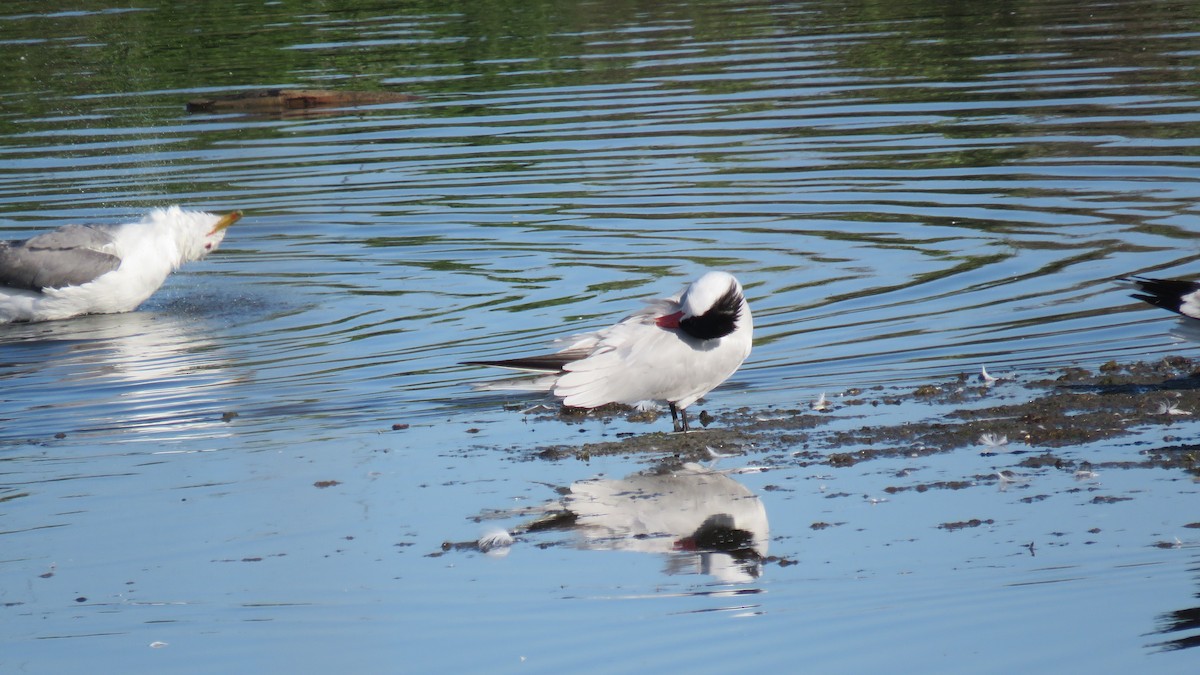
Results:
68 256
577 347
633 361
580 347
547 363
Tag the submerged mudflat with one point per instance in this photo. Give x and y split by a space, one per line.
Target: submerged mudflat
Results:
1032 416
1024 479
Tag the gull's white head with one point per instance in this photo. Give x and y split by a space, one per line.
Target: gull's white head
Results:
196 233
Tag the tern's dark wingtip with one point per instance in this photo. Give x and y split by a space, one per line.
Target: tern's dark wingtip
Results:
552 363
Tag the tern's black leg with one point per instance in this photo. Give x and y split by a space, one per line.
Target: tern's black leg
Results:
678 415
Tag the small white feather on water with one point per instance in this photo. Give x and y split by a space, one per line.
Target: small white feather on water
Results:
821 404
495 542
993 440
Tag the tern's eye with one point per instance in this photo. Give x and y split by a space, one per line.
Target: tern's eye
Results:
208 246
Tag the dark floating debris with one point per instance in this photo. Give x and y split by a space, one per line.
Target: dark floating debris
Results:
282 100
962 524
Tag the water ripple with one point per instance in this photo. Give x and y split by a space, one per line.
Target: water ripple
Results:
890 220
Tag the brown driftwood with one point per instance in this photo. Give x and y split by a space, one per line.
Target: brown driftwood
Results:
281 100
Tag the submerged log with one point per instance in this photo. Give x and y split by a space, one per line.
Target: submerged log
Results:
280 100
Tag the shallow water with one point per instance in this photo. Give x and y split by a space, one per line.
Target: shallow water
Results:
906 193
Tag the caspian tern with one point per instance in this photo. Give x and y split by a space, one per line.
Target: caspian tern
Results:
675 349
1177 295
102 269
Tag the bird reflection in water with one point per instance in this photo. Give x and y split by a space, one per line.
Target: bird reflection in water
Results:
141 372
1183 624
701 519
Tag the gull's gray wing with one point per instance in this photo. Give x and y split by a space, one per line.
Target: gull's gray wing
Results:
69 256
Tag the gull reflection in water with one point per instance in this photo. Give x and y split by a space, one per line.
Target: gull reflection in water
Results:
702 520
138 371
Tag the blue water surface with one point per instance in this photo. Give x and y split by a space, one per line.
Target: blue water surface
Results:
267 466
